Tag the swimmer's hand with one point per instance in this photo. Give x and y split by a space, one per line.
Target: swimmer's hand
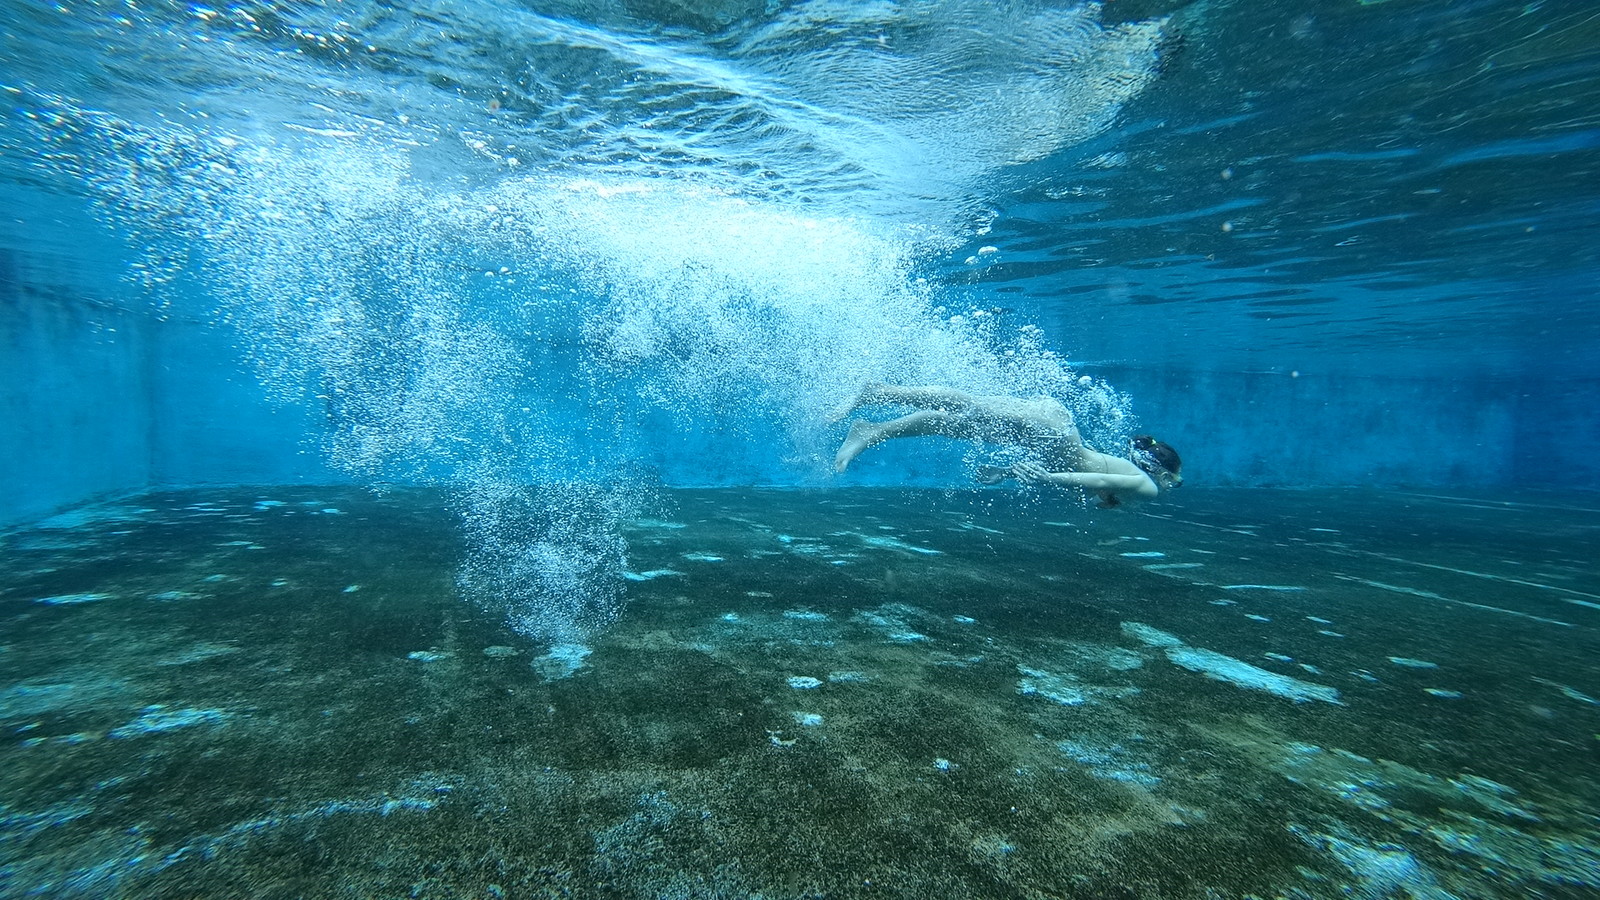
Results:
1031 473
991 474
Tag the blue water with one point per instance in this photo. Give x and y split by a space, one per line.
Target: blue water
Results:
526 272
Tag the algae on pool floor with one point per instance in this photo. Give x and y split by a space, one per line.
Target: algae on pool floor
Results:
282 693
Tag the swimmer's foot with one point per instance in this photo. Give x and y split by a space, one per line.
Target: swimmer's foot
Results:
861 398
991 474
860 438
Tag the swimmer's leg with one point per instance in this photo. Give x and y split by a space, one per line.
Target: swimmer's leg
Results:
931 397
924 423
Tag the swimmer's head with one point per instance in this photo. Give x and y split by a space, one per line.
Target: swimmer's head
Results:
1157 459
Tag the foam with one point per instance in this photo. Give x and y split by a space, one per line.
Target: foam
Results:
691 293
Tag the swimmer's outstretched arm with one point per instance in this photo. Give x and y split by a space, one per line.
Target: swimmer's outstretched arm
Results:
1129 485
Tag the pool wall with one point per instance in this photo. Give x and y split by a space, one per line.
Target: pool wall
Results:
97 399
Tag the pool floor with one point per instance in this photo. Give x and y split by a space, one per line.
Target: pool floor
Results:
283 692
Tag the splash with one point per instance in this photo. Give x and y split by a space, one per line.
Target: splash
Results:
714 239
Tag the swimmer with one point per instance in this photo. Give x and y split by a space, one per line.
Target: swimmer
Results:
1039 425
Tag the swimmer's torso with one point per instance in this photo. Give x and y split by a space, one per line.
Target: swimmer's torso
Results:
1041 424
1045 427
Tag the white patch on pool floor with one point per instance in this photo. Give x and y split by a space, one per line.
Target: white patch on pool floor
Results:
1111 762
157 719
72 599
890 620
1410 663
805 615
657 523
562 661
1569 693
1430 595
653 573
888 543
1219 667
803 682
1052 686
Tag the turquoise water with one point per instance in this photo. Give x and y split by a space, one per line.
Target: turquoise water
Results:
812 693
417 449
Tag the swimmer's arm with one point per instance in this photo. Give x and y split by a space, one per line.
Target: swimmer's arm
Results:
1127 485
